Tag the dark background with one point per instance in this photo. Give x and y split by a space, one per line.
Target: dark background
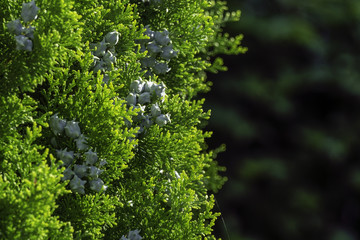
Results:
289 112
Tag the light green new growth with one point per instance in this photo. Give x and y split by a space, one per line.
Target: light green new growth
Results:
83 59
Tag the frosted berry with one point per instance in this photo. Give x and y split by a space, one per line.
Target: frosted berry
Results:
57 125
94 172
72 129
81 143
109 58
91 157
99 66
29 32
68 174
29 11
100 49
155 110
161 68
148 32
80 170
137 86
150 87
162 38
144 98
97 184
103 162
163 119
15 27
168 52
132 235
160 90
131 99
23 43
112 38
153 48
65 156
77 185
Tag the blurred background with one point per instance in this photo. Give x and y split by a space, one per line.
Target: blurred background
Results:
289 112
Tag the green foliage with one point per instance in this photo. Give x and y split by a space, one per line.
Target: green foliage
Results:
159 181
30 186
222 43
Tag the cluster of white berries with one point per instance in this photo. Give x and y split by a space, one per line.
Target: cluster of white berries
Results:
132 235
76 173
146 96
160 52
152 1
104 54
24 35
